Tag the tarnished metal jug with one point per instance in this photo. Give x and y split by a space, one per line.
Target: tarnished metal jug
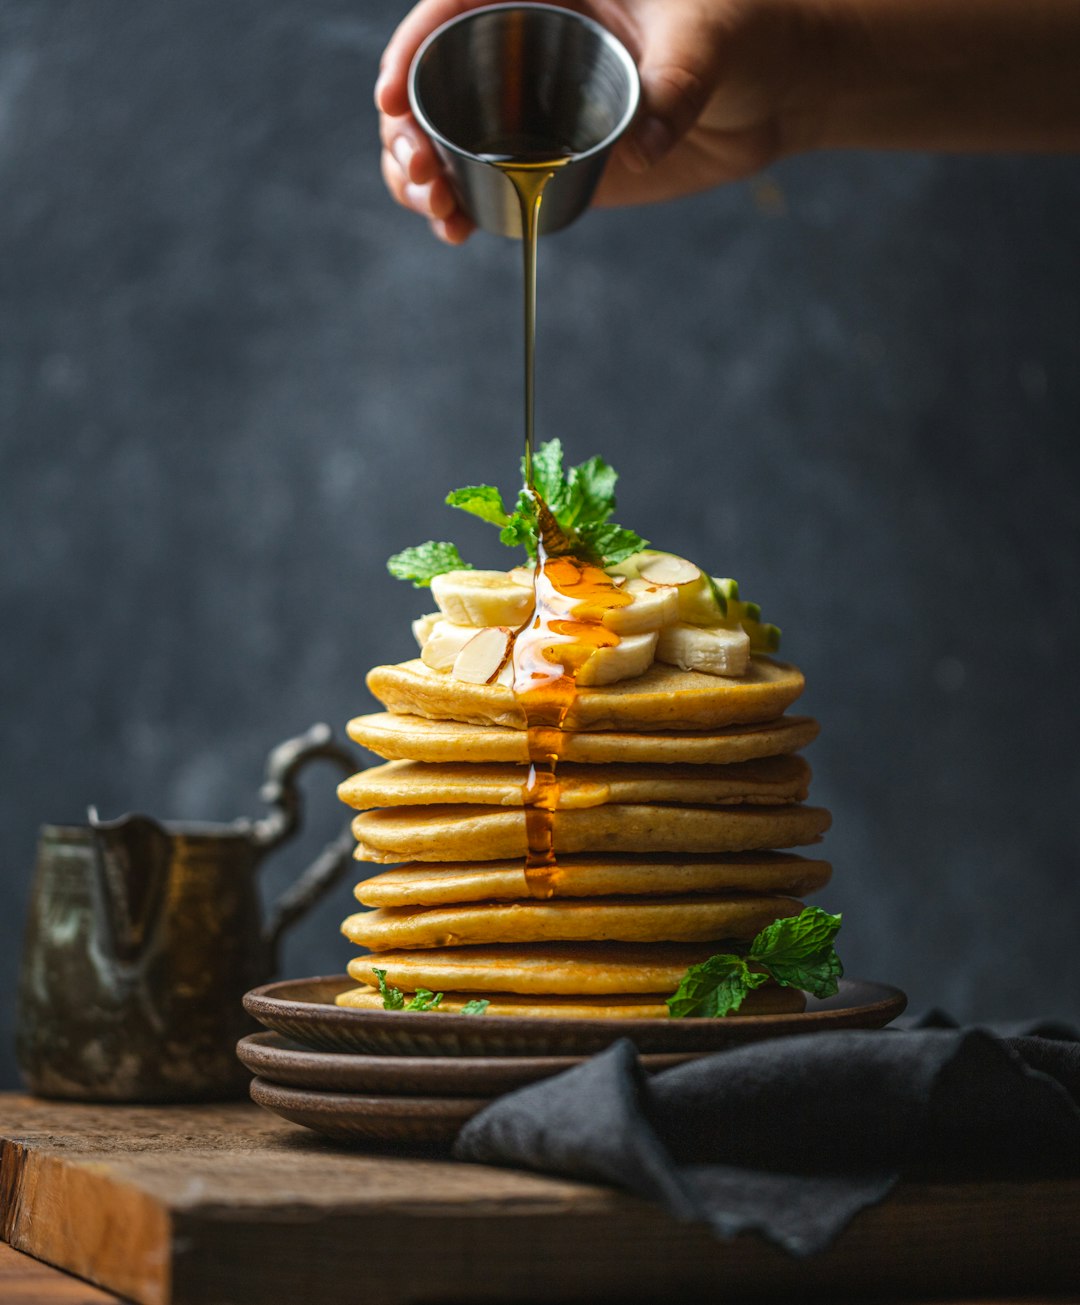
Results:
142 938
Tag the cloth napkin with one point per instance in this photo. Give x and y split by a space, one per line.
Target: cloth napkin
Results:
793 1137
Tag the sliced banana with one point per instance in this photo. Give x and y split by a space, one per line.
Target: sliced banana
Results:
698 605
423 626
653 606
482 598
443 644
716 651
523 575
631 656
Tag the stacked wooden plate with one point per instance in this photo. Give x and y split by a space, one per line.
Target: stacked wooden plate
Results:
412 1077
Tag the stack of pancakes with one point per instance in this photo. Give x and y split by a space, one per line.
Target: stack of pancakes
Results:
675 790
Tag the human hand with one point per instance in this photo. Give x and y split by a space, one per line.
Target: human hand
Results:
715 78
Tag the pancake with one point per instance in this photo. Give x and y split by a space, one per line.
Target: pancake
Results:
470 833
769 781
703 918
763 1001
574 969
416 738
427 885
663 698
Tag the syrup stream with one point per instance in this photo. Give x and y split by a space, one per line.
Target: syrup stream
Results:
566 627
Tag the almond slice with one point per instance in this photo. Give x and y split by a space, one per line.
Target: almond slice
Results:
445 640
484 656
667 569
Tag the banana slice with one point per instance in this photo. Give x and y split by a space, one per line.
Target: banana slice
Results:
444 642
716 651
698 605
653 606
423 626
631 656
482 598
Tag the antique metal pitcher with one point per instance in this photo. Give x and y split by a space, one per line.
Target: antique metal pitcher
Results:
142 938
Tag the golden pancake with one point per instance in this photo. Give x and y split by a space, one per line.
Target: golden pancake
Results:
769 781
763 1001
706 917
664 698
469 833
422 884
416 738
574 969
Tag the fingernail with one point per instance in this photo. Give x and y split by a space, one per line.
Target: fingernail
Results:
651 141
379 84
402 149
418 197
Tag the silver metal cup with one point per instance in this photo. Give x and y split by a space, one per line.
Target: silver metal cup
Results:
512 79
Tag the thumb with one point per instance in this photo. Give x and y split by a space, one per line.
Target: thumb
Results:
679 68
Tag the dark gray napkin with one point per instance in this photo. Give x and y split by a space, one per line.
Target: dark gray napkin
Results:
794 1136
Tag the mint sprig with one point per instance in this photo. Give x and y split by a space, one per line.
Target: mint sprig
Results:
394 998
422 999
581 499
796 952
423 562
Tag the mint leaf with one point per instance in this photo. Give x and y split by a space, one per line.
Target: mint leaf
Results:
520 528
425 999
548 473
798 952
608 543
483 501
475 1007
796 936
714 987
393 998
422 563
592 484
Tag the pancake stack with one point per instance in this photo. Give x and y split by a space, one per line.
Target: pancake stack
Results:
678 792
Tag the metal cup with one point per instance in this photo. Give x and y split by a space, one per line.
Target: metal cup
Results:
515 78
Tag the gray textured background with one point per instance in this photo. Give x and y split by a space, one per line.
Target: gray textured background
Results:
234 377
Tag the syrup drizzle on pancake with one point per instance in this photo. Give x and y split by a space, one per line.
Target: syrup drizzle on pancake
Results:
566 627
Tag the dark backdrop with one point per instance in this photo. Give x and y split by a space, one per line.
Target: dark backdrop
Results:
235 377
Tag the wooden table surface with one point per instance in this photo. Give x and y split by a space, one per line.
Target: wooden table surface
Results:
201 1205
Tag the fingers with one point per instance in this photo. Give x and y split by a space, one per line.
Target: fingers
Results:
411 171
411 149
410 167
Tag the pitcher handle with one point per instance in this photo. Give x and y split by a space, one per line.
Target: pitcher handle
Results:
281 791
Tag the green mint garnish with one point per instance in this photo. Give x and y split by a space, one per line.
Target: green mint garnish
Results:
423 562
580 499
796 952
394 998
475 1007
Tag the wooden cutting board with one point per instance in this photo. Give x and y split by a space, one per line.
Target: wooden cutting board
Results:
201 1205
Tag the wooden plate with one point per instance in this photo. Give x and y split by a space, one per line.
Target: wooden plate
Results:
417 1121
303 1010
277 1060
